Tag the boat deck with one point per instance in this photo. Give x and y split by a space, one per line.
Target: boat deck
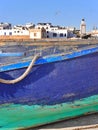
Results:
7 52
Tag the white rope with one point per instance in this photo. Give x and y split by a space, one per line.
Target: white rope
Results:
23 75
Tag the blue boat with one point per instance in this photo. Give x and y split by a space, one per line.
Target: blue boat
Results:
45 88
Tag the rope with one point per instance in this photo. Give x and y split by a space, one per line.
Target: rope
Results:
23 75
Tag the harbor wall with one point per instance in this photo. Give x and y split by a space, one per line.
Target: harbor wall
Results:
15 38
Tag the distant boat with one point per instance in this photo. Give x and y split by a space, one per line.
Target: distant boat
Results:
53 87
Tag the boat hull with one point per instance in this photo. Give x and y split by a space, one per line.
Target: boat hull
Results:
18 116
51 92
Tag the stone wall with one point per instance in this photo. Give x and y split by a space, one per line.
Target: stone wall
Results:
14 38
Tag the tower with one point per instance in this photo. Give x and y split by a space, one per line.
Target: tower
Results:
82 27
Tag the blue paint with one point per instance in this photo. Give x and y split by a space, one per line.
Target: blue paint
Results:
54 80
49 59
7 54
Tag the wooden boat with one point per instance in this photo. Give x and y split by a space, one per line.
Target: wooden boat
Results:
53 87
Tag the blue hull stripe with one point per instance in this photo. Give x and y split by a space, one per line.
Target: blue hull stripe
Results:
52 58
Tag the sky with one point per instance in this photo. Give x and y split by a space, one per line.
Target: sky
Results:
58 12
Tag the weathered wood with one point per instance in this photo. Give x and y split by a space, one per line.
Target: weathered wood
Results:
87 127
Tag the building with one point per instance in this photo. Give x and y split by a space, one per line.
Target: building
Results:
22 33
30 25
37 33
55 31
14 34
5 26
82 27
30 31
94 33
58 33
43 25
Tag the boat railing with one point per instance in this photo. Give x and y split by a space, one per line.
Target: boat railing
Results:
44 51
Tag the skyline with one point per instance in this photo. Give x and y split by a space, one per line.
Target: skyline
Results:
57 12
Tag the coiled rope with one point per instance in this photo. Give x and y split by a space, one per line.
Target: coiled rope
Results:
23 75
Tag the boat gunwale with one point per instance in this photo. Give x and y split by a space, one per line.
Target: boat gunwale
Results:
47 59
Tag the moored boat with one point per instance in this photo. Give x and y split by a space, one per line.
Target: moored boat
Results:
48 88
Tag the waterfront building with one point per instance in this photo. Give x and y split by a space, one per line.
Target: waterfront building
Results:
94 33
82 27
30 25
20 32
37 33
14 34
55 31
30 31
59 33
43 25
5 26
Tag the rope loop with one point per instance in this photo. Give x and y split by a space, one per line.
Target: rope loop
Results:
27 71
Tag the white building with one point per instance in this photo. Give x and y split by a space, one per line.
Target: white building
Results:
43 25
22 33
55 31
83 27
94 33
14 32
41 30
30 25
5 26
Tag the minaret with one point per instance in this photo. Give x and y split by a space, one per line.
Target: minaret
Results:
83 27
